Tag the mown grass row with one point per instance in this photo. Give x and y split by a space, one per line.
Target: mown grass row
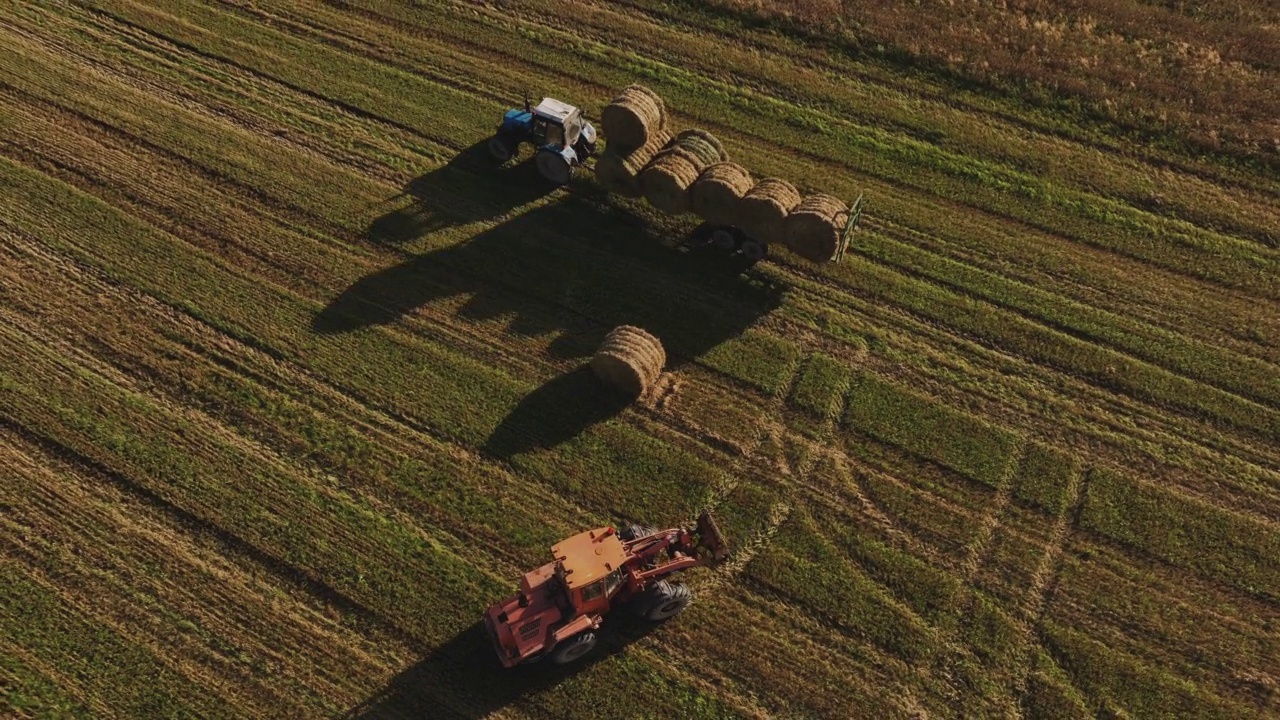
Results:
131 680
315 530
911 106
692 95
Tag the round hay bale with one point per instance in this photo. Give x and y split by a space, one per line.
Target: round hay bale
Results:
812 230
702 137
630 359
666 180
640 345
620 172
700 144
620 372
765 206
717 192
632 117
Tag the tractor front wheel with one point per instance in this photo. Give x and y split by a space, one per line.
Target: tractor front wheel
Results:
499 149
573 648
668 599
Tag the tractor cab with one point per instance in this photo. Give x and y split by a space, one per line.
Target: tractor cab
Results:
557 123
590 566
563 138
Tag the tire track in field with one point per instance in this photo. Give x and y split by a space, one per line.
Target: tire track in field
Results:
410 67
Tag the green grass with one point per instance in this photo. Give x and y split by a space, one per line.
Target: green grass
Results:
822 385
126 677
758 359
1045 477
927 428
1189 533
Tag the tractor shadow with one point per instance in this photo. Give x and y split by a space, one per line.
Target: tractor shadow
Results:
568 272
463 679
472 186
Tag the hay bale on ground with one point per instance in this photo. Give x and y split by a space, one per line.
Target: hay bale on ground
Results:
633 117
812 230
764 207
630 360
619 172
716 194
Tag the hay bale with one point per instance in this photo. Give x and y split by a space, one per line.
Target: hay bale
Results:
812 230
717 192
629 359
666 180
630 340
632 118
764 207
702 144
619 172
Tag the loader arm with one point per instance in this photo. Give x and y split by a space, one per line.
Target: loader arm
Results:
684 549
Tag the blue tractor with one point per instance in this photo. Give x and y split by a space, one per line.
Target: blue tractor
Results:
563 138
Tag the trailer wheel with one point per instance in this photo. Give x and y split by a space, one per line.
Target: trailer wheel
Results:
723 239
573 648
753 249
668 600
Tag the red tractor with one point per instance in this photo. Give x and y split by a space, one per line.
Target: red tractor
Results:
562 604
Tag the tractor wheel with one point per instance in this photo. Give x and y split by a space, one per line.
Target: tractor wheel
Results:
753 249
723 239
573 648
499 149
554 167
668 600
630 532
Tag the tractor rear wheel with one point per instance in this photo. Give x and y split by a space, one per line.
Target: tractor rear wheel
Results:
668 599
554 167
499 149
573 648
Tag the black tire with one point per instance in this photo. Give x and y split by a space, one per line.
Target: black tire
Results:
500 149
574 648
723 238
753 250
630 532
666 600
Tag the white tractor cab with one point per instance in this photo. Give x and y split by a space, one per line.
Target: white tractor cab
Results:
562 136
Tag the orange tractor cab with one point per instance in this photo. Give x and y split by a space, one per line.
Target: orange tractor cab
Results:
561 604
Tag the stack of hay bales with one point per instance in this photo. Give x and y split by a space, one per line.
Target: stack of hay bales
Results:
630 360
620 172
717 193
635 125
813 228
668 177
765 206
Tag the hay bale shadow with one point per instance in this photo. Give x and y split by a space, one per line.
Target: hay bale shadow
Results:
558 411
463 679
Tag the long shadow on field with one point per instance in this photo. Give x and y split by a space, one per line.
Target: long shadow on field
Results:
568 271
556 412
470 187
463 679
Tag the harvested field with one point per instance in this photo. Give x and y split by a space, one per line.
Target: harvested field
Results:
294 381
